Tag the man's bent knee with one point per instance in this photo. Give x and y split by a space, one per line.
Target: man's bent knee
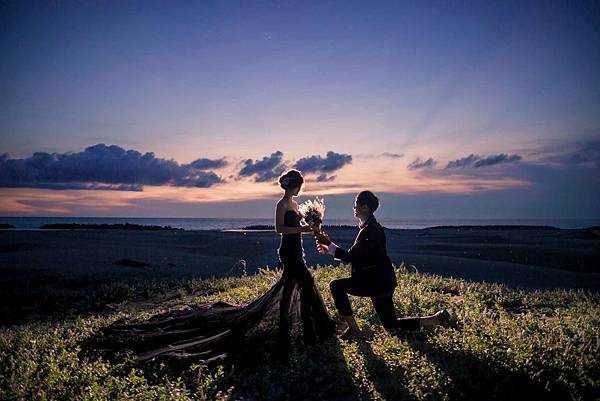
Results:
334 286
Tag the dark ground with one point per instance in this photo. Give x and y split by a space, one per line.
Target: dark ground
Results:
41 268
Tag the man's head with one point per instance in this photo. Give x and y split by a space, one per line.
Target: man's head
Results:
365 204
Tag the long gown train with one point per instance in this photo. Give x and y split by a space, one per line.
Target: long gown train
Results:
213 332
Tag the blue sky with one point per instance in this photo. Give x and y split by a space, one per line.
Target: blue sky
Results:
373 89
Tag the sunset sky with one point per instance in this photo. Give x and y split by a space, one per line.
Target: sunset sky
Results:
193 109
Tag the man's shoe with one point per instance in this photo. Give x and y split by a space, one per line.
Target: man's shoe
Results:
340 329
445 319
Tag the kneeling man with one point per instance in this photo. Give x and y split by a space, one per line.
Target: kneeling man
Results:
372 273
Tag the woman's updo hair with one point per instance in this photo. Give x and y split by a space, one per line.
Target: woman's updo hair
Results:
291 179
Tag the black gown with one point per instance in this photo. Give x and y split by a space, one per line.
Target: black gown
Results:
296 277
214 332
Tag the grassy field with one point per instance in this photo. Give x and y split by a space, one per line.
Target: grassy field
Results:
510 345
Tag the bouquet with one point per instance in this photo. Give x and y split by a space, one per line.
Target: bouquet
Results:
313 211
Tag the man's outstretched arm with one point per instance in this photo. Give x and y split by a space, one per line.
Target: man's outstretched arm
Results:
325 245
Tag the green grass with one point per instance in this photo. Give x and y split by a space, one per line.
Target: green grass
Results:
510 345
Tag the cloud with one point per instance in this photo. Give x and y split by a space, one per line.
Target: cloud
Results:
477 161
98 165
388 155
90 186
418 164
206 164
323 165
588 155
392 155
479 187
324 178
464 162
496 159
266 169
571 154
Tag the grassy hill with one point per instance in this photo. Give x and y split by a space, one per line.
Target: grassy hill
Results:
510 345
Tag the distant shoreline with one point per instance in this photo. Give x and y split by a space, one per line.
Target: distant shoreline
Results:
126 226
253 224
263 227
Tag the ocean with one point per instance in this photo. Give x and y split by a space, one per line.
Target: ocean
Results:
32 223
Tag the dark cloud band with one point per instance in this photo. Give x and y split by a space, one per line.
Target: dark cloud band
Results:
99 165
477 161
496 159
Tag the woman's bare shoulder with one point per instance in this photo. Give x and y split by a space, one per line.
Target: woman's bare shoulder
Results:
282 205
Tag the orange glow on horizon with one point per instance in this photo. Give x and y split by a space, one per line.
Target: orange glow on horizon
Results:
376 175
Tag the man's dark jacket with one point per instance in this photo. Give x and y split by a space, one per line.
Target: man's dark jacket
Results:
371 266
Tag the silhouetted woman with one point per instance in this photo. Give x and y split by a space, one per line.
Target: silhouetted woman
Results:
315 320
214 332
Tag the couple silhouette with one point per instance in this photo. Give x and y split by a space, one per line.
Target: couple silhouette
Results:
214 332
372 276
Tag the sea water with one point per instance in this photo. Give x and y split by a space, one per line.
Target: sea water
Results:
199 223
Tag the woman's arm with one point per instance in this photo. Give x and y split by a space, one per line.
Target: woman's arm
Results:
280 228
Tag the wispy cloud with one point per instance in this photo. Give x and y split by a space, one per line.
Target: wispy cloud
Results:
587 155
568 154
102 167
478 161
392 155
419 164
89 186
389 155
325 178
